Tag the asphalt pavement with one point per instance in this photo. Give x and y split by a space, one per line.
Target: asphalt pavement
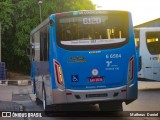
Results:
10 96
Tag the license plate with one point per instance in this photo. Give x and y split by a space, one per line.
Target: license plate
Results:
96 79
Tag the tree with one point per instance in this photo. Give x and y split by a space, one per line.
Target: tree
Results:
20 18
6 11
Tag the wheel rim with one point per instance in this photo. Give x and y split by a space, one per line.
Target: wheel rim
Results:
44 101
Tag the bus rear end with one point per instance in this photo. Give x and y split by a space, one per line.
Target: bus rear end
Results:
94 58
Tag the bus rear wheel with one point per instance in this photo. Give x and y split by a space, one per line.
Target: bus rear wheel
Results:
44 99
38 101
48 109
111 106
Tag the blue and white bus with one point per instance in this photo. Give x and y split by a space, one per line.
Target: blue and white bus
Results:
84 57
148 44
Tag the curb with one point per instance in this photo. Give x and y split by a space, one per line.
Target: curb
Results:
10 106
149 89
15 82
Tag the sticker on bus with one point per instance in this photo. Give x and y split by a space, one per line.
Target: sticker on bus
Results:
75 78
78 59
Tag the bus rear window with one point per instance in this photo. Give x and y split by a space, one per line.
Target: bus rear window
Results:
88 31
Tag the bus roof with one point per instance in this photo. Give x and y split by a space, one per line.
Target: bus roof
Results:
45 22
74 13
147 28
88 12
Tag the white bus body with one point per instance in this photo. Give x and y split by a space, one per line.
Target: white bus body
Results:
148 40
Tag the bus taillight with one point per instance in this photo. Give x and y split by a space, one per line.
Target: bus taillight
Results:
58 73
131 69
59 14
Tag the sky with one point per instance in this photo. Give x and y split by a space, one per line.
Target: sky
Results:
142 10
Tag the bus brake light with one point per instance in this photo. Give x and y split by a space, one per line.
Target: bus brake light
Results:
58 73
131 69
59 14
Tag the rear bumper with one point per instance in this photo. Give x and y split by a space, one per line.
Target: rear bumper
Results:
124 93
96 95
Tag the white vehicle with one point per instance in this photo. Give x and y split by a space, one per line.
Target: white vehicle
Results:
148 49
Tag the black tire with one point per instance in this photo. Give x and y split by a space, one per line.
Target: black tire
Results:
34 86
111 106
44 99
38 101
47 108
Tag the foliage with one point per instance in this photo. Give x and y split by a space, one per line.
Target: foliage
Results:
6 11
19 17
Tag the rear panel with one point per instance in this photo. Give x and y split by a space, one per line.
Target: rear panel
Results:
94 69
100 58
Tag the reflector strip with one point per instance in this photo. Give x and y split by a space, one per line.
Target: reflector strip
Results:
123 90
131 69
68 93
